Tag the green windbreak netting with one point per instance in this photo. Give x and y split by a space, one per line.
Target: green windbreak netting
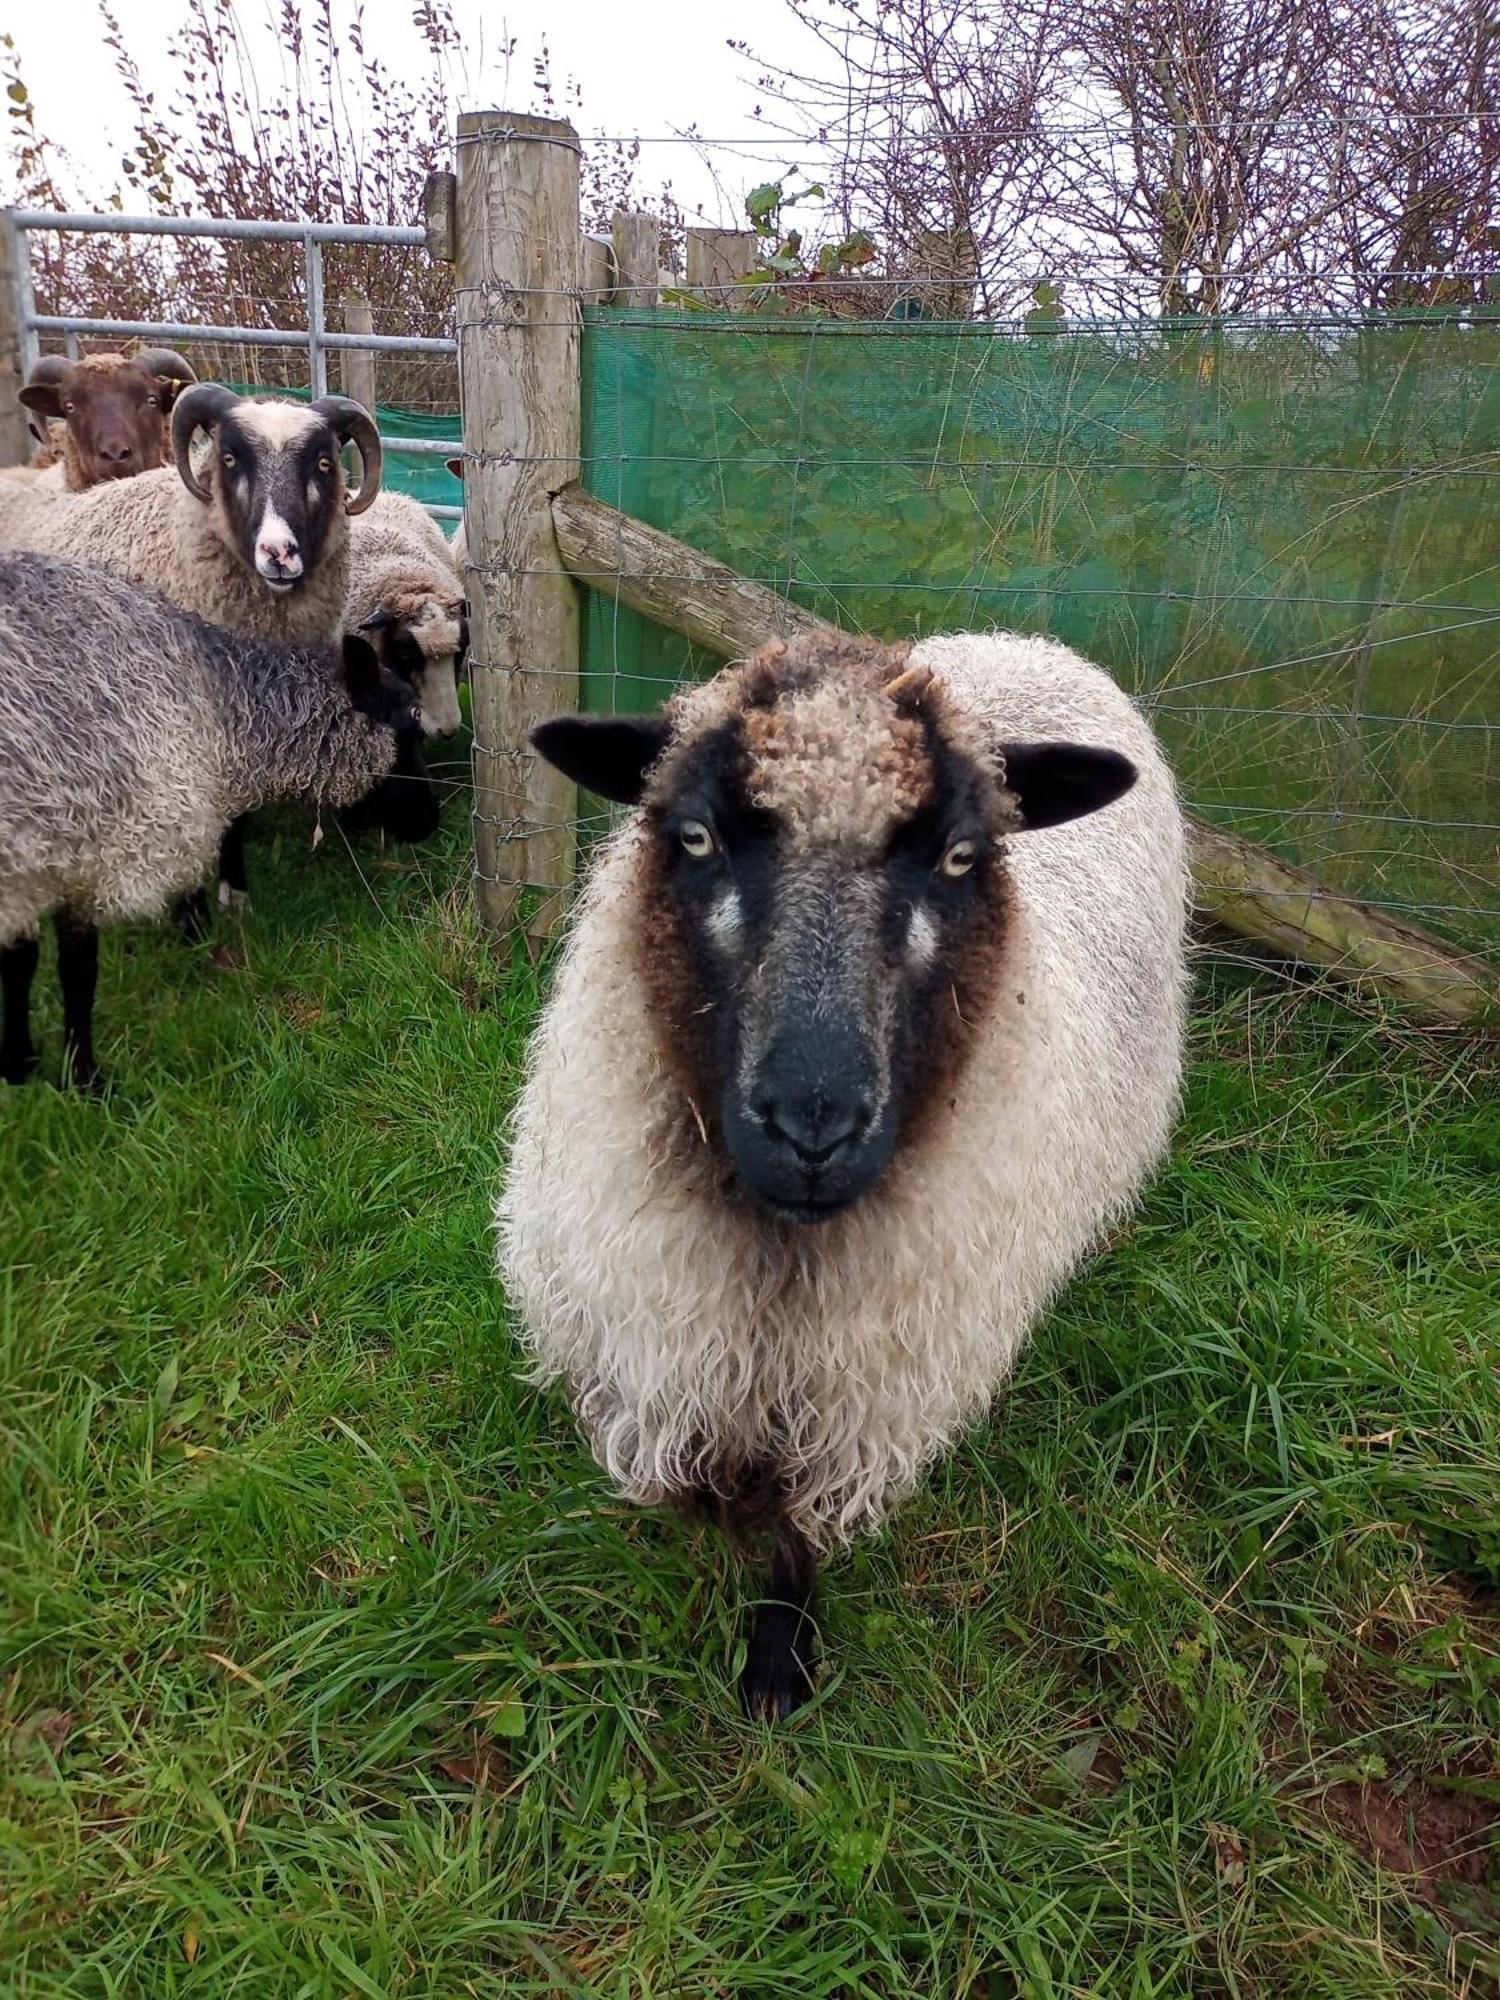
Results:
422 474
1285 540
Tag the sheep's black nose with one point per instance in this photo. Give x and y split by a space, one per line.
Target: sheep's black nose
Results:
816 1126
117 454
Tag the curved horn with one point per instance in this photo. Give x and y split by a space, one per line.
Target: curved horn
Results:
351 423
909 686
43 383
165 365
198 408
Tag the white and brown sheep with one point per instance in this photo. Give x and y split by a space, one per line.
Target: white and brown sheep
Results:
867 1028
131 735
406 597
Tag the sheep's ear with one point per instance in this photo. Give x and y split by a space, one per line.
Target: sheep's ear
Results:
42 394
1056 782
607 754
361 671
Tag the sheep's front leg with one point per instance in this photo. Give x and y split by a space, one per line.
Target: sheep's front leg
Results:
233 891
190 913
778 1674
78 975
17 970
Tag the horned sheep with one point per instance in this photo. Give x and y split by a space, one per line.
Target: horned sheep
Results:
131 735
867 1029
106 416
248 530
405 595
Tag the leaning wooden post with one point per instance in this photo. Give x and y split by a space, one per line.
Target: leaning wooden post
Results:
359 362
15 438
518 366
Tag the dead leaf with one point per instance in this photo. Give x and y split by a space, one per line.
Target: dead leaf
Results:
483 1767
227 957
190 1944
300 1011
47 1730
1229 1852
240 1673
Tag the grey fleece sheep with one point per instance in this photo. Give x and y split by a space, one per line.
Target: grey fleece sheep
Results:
406 597
131 734
867 1030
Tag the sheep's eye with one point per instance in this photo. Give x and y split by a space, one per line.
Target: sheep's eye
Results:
229 461
68 409
153 403
696 839
959 859
325 465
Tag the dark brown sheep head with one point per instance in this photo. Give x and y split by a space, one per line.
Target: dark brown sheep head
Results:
114 407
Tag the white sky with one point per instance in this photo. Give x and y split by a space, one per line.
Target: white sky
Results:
651 69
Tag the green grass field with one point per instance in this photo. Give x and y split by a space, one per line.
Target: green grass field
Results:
329 1666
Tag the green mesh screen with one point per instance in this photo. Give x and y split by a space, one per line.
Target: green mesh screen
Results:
1285 540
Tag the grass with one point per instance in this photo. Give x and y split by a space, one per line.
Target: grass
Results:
330 1667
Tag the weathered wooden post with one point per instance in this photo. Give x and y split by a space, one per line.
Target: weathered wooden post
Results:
637 241
15 439
359 362
518 365
717 259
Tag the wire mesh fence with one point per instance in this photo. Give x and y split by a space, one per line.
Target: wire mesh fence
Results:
1283 536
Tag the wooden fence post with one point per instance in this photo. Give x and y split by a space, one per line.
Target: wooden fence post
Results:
518 362
637 241
716 260
358 364
15 439
596 271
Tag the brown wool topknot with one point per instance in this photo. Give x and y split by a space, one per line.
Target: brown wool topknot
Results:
835 731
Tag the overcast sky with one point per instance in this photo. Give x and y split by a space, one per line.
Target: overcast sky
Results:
652 69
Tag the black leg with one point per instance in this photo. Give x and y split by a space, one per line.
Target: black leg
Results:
191 915
232 888
78 974
17 970
778 1674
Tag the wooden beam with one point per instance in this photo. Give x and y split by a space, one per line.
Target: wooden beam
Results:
637 241
1289 913
518 360
1282 909
358 365
669 581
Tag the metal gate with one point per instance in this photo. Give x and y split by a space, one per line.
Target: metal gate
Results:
314 336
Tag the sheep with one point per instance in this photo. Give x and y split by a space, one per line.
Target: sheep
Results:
405 594
131 734
254 538
250 533
867 1028
104 417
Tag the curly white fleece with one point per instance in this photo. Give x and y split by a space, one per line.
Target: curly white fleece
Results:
690 1328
